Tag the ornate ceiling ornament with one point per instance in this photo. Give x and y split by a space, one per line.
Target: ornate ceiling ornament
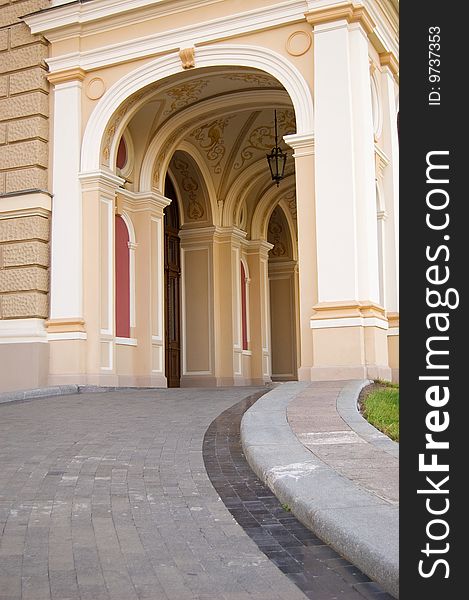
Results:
258 79
116 121
262 138
210 139
195 210
163 154
276 234
184 94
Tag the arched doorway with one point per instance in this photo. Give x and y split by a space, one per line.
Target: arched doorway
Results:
283 282
172 286
199 191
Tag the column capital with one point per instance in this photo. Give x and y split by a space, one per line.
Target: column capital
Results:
389 60
229 234
302 144
102 180
261 247
344 11
66 76
141 201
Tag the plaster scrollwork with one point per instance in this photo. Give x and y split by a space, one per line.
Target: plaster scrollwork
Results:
116 121
257 79
276 235
185 94
162 156
195 210
210 139
290 199
262 138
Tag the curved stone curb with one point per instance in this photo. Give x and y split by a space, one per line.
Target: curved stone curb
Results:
347 407
357 524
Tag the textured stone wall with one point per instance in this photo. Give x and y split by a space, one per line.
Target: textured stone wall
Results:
24 261
24 102
24 135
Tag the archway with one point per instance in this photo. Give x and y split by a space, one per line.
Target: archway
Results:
196 179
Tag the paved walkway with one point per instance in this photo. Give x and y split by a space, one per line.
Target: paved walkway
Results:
105 497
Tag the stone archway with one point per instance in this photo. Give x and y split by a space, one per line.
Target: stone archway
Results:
208 130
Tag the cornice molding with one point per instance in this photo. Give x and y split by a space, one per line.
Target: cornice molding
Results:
62 15
371 15
348 11
176 39
388 59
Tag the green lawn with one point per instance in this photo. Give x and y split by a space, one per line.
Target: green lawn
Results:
381 409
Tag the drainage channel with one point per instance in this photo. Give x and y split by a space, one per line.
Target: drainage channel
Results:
313 566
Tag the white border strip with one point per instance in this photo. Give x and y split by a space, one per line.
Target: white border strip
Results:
349 322
120 341
72 335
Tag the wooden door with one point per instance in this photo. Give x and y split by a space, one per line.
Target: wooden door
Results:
172 271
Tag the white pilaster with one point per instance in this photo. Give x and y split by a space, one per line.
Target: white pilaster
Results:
345 181
390 185
66 293
364 165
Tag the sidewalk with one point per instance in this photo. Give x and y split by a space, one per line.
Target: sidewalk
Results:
338 474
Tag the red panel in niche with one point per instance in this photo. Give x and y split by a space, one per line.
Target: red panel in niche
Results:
244 308
121 154
122 279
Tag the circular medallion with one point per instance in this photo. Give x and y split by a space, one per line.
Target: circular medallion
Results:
299 43
95 88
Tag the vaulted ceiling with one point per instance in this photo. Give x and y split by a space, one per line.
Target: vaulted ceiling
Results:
213 127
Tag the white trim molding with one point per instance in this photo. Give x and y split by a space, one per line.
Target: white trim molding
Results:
22 331
349 322
73 335
120 341
393 331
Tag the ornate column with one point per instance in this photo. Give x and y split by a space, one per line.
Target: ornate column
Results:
349 326
307 244
257 252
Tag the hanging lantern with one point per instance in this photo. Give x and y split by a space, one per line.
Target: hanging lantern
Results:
277 158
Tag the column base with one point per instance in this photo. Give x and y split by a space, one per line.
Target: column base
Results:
350 341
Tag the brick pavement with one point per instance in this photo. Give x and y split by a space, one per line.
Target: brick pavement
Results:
105 497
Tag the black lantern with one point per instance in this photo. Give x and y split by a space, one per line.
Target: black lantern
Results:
276 159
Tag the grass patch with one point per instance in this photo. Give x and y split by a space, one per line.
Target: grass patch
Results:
381 409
